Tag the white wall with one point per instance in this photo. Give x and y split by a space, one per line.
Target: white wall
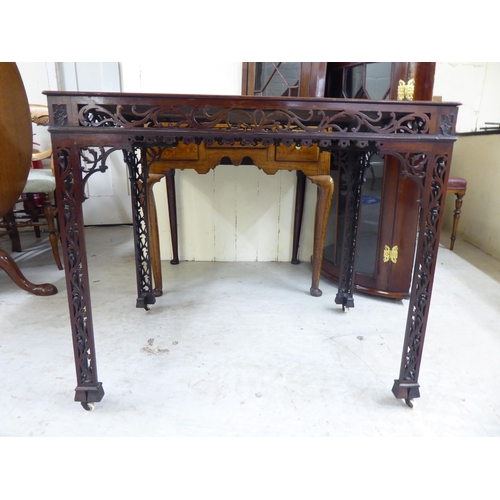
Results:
108 196
36 79
475 158
475 85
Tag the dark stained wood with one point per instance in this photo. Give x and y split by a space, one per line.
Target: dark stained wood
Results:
300 195
399 210
458 187
172 214
423 73
420 134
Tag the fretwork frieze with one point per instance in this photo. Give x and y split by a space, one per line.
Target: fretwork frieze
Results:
259 120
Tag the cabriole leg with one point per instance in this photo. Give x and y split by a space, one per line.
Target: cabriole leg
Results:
325 193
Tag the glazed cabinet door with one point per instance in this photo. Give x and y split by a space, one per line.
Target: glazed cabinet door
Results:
389 210
302 79
388 219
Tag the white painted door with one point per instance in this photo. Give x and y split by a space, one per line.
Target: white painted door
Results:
108 194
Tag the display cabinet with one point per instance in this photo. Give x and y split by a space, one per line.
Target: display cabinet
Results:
389 210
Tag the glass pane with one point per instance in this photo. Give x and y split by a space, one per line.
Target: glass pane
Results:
277 79
335 228
335 225
354 82
371 193
378 80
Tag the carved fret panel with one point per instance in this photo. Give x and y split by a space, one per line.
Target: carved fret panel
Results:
425 264
413 165
94 160
138 174
72 240
352 165
60 115
270 120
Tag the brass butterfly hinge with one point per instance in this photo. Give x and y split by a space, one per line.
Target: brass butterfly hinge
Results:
391 254
406 90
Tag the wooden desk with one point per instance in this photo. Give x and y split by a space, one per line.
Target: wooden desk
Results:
87 127
203 158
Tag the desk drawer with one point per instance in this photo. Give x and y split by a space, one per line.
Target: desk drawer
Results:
282 153
292 153
181 152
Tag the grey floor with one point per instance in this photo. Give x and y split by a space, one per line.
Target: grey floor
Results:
242 349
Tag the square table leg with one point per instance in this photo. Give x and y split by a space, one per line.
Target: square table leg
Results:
138 173
430 223
70 195
355 169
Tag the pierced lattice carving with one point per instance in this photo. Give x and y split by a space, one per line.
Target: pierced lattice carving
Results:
77 285
138 173
424 272
233 119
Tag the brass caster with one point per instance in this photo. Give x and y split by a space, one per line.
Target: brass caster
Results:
88 406
345 309
410 402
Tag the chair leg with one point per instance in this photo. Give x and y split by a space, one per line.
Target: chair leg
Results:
456 217
49 213
8 264
32 211
10 220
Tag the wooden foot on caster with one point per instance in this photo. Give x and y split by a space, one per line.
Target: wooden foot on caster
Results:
408 391
88 396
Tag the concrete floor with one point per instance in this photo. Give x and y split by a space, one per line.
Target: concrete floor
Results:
242 349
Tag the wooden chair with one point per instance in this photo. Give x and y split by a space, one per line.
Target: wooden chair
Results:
15 161
456 186
40 186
